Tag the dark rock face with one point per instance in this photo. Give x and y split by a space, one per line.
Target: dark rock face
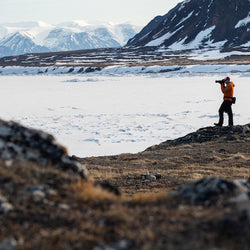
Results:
206 21
213 191
20 143
205 134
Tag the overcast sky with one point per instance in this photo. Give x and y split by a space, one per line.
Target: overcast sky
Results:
56 11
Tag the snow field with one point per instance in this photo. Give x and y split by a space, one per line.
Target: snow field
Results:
98 114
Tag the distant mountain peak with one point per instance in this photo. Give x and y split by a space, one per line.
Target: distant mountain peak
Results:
75 35
20 43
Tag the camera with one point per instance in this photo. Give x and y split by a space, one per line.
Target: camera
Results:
220 81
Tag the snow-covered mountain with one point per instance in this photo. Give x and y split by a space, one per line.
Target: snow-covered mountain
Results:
20 43
196 24
64 39
31 37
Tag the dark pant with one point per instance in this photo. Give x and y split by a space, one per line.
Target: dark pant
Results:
226 107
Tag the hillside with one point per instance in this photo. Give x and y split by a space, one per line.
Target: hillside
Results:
207 152
195 24
98 59
44 205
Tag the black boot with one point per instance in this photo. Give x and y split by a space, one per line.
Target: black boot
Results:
230 120
218 124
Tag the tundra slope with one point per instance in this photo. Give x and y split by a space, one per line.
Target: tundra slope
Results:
96 59
44 207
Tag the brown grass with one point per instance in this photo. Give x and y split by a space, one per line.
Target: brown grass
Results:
176 165
81 215
85 191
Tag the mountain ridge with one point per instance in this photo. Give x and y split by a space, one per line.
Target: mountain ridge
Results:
196 24
76 35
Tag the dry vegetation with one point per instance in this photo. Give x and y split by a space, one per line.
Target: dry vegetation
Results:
227 158
75 214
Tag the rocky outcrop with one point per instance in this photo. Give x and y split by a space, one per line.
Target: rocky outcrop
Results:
20 143
213 191
204 135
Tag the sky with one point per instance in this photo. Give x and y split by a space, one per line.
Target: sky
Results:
56 11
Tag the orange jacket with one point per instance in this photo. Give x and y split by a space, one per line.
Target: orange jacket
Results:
228 91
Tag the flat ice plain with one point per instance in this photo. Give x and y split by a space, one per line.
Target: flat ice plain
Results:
97 114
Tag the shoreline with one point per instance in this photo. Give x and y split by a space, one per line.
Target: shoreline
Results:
123 70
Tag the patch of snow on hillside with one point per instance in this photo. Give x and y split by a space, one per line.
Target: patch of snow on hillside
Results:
173 18
183 5
216 54
204 34
243 22
208 9
216 45
201 36
185 18
160 40
179 45
246 44
144 36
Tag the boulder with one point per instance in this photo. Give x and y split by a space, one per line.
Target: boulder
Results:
213 191
21 143
5 206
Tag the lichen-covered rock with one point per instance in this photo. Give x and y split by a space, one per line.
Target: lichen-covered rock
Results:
21 143
211 191
39 192
5 206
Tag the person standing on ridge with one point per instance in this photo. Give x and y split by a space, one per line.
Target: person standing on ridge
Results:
227 88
